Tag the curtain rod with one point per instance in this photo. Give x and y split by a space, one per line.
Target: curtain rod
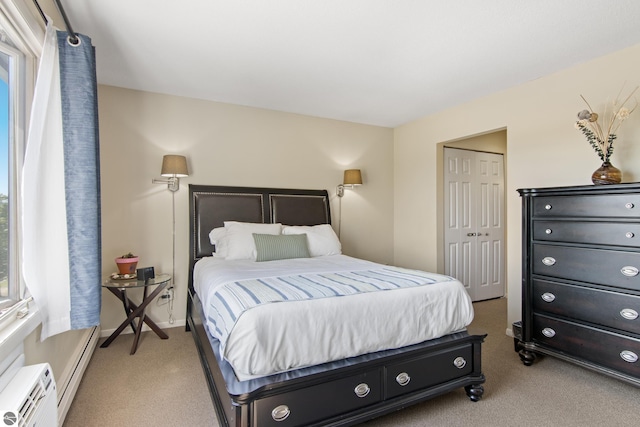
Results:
73 37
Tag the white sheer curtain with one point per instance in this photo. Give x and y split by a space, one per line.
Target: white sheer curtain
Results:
60 189
45 252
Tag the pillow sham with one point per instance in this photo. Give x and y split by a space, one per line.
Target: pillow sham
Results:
322 240
271 247
239 238
218 238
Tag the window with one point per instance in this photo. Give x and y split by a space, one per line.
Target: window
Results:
14 72
11 68
5 221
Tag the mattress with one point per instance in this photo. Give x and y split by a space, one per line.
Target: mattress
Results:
312 327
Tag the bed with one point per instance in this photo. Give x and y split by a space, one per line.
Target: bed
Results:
306 389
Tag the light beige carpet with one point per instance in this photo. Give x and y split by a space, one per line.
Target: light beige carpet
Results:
163 385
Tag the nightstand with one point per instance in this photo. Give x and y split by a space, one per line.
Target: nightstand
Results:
119 287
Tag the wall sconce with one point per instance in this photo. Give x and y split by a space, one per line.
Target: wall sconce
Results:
174 167
352 177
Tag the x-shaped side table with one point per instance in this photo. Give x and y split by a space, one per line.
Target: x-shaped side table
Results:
119 287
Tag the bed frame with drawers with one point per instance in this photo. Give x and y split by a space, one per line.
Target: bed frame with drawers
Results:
341 393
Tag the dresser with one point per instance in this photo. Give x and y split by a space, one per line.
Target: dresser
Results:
580 277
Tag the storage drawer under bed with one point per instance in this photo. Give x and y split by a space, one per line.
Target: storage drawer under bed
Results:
428 370
308 405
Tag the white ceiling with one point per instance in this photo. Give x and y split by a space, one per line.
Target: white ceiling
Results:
380 62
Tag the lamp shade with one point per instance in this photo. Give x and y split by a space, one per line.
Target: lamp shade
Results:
352 177
174 165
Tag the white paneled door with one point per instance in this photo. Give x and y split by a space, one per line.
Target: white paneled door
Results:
474 221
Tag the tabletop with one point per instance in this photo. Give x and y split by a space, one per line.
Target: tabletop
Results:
133 282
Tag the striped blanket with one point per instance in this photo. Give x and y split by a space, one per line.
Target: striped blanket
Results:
231 300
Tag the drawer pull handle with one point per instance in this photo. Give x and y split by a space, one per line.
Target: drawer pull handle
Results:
629 205
547 207
280 413
459 362
629 313
548 297
629 356
629 271
548 231
548 332
548 260
629 235
403 379
362 390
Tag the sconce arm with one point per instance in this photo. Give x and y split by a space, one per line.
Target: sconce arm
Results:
173 183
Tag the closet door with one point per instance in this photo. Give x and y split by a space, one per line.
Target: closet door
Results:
474 221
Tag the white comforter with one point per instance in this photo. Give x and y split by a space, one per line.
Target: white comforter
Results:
277 337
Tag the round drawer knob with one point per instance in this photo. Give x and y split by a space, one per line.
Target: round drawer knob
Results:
459 362
548 260
629 235
629 356
629 205
547 207
548 231
629 314
548 332
548 297
280 413
362 390
403 379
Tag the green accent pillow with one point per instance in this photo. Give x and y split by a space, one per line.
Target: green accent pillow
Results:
270 247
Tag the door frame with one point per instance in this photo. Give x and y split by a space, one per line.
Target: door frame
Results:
494 141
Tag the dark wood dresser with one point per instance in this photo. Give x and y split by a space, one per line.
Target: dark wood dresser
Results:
580 277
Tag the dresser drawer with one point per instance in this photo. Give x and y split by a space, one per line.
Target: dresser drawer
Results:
605 267
610 350
610 205
427 371
305 406
611 309
603 233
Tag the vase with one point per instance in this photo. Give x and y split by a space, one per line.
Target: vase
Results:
127 265
606 174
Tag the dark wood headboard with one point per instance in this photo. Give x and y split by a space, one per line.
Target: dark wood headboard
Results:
210 206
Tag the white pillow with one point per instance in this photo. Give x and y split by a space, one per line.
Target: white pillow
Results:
321 238
239 238
218 238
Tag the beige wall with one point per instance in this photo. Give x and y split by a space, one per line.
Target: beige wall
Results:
57 350
392 218
492 142
228 145
543 149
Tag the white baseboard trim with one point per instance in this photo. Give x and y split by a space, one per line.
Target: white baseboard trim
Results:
510 332
70 379
163 325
